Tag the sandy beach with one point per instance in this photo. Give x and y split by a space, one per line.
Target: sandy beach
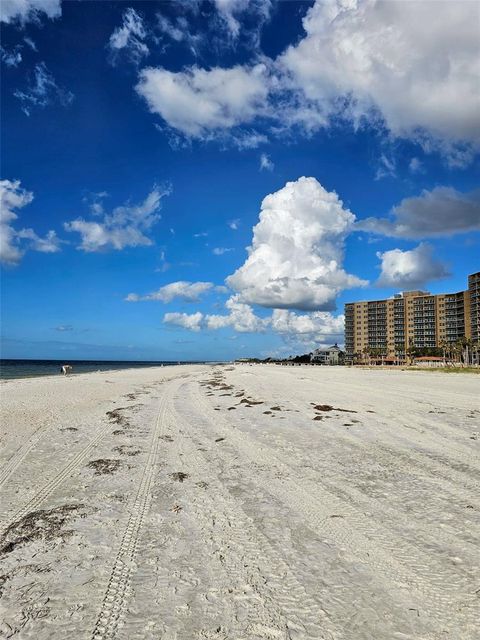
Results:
242 503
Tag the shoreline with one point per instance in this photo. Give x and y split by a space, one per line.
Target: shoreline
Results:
109 371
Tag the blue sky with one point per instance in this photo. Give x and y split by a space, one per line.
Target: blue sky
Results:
146 146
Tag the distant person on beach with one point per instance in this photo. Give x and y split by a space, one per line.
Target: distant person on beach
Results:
66 369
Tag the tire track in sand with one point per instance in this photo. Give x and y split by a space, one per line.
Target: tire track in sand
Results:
245 553
19 456
50 486
118 587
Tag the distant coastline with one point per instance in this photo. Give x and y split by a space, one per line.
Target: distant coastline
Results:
16 368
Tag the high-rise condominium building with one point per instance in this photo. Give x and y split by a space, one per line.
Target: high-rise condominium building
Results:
412 319
474 289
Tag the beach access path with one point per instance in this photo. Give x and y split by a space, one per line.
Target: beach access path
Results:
240 502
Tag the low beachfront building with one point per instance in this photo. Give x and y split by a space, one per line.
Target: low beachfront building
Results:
331 356
430 361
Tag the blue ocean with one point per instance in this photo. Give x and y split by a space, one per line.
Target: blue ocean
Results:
31 368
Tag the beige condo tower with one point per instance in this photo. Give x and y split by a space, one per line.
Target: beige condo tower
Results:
412 319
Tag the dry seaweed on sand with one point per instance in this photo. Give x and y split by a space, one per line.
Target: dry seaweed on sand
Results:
179 476
127 450
116 417
328 407
43 524
104 466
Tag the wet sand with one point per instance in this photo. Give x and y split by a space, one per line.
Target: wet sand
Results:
242 503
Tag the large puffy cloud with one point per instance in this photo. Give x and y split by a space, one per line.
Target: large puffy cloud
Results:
306 331
202 103
412 268
187 291
414 63
319 325
28 10
187 321
240 317
126 226
295 260
410 68
13 242
439 212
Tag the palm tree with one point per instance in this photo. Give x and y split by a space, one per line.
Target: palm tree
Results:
411 350
399 350
458 350
476 353
366 353
444 346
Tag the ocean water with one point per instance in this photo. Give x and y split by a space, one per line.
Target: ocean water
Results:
31 368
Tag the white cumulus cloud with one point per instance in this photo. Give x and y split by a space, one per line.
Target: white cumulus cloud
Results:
240 317
442 211
306 330
13 242
296 256
414 64
126 226
187 321
321 325
187 291
409 269
201 103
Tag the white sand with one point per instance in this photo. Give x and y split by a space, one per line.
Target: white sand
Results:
363 525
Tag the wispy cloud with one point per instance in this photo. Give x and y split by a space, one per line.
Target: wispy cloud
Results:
42 91
28 41
184 290
23 11
126 226
129 37
219 251
265 163
64 327
11 58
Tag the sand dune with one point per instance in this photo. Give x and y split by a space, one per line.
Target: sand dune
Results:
241 503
